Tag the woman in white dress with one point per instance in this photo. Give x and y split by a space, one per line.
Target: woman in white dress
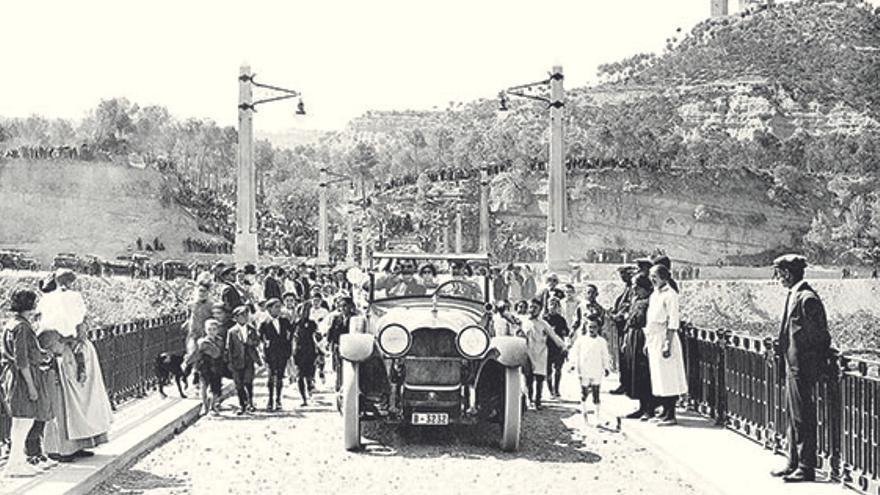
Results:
83 412
665 357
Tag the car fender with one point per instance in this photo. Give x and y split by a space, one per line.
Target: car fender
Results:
356 347
509 351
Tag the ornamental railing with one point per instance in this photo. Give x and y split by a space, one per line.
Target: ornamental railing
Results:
128 351
737 380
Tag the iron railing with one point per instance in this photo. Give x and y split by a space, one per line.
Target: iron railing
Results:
736 380
128 352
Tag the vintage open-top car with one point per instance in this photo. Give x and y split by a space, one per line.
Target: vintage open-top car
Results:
423 353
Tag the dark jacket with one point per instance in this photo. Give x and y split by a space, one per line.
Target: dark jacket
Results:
241 347
271 288
231 297
560 327
804 341
276 341
338 326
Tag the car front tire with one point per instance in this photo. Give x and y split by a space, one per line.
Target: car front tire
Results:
511 423
351 416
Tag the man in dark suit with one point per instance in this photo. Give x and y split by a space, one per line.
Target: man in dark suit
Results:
804 344
619 313
230 294
276 332
271 286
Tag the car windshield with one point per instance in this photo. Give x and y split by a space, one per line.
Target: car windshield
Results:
455 278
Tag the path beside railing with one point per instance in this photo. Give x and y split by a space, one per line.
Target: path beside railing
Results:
735 380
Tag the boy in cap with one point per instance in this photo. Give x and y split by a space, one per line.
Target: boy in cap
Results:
276 332
804 345
241 351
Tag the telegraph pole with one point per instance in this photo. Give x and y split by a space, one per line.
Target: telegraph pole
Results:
557 210
246 198
484 209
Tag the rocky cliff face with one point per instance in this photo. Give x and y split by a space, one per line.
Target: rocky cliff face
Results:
700 218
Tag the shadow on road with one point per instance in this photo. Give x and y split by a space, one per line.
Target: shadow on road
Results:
135 481
545 438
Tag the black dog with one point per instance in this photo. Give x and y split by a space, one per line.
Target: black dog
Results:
168 364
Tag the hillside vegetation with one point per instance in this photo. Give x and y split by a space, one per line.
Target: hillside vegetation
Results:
787 91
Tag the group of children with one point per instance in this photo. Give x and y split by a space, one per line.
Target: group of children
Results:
282 336
557 327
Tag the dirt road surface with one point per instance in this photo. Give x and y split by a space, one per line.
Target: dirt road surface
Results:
299 450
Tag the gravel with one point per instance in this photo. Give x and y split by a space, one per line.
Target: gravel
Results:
300 451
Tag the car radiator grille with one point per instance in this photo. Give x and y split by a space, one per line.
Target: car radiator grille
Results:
433 358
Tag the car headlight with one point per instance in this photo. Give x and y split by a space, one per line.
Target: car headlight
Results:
472 342
394 340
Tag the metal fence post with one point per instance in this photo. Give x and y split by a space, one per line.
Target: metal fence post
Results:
720 379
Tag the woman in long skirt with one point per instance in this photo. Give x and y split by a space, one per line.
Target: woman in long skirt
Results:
638 384
84 414
665 357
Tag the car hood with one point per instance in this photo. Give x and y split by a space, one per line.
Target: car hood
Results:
418 313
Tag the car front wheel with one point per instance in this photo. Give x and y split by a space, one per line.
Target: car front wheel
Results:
351 414
511 423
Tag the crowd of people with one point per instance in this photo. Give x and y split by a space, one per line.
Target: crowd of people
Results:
211 246
82 152
285 319
561 326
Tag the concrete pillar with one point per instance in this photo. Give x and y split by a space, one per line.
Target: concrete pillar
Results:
349 240
557 208
323 251
458 227
484 209
718 8
246 198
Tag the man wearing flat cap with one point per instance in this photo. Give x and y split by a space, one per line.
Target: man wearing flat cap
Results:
804 345
276 332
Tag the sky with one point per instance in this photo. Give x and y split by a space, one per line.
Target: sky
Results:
61 57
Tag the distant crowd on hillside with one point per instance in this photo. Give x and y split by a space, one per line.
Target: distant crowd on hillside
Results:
457 174
191 245
69 152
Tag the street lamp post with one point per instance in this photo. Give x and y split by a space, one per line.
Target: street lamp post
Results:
484 209
349 239
556 248
323 257
246 244
246 211
323 244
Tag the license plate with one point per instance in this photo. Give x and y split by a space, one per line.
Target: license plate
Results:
432 419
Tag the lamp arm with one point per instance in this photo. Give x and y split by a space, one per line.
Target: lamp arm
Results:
530 97
529 85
